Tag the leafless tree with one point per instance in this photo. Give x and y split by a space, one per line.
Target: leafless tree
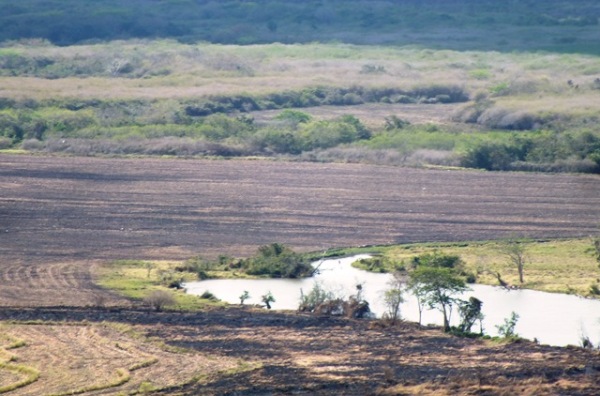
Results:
516 252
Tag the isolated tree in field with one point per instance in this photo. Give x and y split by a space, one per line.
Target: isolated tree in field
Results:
437 286
516 253
158 299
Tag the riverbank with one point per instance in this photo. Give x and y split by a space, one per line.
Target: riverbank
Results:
552 265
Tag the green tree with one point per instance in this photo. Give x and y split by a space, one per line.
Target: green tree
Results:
470 312
244 296
267 299
507 329
437 286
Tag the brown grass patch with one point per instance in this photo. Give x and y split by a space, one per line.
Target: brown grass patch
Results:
84 358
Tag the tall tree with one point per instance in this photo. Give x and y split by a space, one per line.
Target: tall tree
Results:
437 286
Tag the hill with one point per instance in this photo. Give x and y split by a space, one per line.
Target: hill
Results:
554 25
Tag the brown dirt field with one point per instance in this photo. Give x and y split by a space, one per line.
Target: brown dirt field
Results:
288 353
61 216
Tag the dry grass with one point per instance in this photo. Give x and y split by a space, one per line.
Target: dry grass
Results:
87 358
198 70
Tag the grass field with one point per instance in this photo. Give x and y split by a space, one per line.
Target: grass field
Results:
559 265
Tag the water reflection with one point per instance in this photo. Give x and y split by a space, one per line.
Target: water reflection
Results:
555 319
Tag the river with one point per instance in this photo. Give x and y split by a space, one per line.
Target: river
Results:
554 319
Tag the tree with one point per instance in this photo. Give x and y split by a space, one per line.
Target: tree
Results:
437 285
515 251
394 297
245 295
268 299
416 288
158 299
507 329
470 312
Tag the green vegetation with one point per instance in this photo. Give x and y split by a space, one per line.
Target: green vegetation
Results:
467 25
561 266
157 284
526 111
507 329
277 261
152 283
434 280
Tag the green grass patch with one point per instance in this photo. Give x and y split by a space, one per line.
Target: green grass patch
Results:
136 279
560 266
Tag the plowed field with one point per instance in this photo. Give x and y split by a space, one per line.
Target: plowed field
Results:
59 216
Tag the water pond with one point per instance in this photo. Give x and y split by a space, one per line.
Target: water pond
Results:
555 319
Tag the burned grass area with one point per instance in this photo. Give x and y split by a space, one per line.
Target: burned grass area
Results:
245 351
60 216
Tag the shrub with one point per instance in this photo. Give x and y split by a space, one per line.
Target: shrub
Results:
507 329
5 143
277 261
395 122
294 117
159 299
438 260
209 296
374 264
317 296
490 156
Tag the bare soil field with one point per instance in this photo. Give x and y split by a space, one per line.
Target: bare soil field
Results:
255 352
61 216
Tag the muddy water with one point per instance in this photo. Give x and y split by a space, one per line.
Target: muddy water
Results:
555 319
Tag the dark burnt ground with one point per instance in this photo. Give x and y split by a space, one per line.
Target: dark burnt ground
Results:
67 211
291 353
